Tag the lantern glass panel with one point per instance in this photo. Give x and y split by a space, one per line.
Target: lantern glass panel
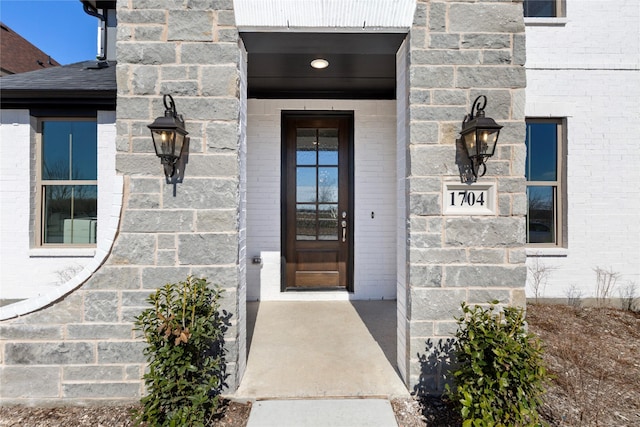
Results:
164 142
488 139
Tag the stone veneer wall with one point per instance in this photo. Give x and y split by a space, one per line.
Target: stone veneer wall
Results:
459 50
82 348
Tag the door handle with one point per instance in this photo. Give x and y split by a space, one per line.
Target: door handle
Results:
344 231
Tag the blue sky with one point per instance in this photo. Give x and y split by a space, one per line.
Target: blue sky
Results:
60 28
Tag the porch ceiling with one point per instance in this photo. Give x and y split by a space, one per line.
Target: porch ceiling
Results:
361 65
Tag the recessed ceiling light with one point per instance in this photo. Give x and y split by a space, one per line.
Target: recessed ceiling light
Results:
319 63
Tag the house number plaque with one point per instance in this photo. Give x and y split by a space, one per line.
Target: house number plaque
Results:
465 199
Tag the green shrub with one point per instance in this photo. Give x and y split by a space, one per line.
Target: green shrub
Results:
499 376
184 334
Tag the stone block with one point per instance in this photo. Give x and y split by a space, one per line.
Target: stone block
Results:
16 332
216 220
149 53
496 57
190 25
427 77
487 256
156 277
438 113
420 96
213 165
203 53
425 276
421 328
437 256
134 249
179 72
491 77
484 232
425 240
148 33
138 164
166 257
424 132
142 144
226 17
67 310
486 41
133 108
102 390
220 80
445 57
507 276
519 49
22 382
446 329
109 277
201 108
166 241
420 15
424 185
498 103
430 160
157 221
436 303
517 256
142 16
417 38
228 35
120 352
435 225
144 201
437 17
180 88
449 97
444 41
485 18
216 5
92 373
133 372
222 136
87 331
101 306
425 204
202 194
135 298
485 296
226 277
207 249
48 353
144 80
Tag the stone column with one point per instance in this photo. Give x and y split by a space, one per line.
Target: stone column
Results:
459 50
169 230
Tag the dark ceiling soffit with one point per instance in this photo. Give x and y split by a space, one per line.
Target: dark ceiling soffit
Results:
385 94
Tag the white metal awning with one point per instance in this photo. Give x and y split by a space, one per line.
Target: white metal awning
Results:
324 15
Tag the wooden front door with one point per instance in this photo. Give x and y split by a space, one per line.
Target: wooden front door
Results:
317 188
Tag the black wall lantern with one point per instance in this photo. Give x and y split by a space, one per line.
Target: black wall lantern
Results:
168 134
479 136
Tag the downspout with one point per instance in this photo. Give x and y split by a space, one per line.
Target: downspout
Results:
92 11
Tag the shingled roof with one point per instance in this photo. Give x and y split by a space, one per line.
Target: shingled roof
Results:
87 84
17 55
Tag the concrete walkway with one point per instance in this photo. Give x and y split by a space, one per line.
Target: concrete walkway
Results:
321 364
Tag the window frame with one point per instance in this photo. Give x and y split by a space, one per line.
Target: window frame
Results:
559 185
40 183
560 10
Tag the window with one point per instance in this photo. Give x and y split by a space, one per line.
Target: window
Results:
545 181
67 182
543 8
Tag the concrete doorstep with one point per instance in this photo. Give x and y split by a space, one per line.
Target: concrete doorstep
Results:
322 413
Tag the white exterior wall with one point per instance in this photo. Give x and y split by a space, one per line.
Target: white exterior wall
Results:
375 188
588 71
28 272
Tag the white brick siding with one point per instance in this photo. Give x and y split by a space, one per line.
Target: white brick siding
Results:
588 71
375 186
29 272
